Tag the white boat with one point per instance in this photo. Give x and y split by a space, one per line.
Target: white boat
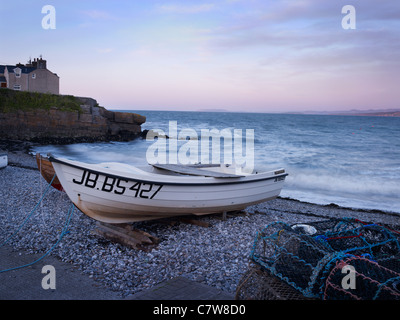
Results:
121 193
3 160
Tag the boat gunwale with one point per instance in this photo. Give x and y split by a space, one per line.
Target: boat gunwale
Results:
208 183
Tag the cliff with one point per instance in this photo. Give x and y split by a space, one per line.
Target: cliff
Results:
46 118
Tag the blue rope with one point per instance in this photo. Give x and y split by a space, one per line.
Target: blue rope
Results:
385 285
64 232
30 215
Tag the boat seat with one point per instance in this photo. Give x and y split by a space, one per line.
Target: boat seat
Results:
192 170
122 167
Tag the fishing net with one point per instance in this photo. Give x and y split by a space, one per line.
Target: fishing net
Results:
332 259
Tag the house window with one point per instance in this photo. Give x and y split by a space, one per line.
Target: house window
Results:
17 72
17 87
33 75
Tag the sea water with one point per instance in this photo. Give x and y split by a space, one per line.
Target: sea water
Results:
352 161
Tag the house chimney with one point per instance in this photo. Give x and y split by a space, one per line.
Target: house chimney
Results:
41 64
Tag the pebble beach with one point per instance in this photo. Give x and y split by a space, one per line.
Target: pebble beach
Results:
217 255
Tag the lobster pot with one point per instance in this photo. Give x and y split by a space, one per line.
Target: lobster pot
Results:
303 255
259 284
364 280
291 256
369 240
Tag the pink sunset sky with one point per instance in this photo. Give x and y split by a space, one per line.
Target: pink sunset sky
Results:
238 55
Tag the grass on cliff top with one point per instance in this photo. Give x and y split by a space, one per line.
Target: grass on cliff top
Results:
11 101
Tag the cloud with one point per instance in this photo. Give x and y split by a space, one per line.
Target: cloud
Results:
105 50
186 9
99 15
305 24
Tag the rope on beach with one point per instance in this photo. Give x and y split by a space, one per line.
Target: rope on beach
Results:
30 214
311 257
63 232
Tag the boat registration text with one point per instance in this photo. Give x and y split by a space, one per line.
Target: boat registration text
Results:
118 186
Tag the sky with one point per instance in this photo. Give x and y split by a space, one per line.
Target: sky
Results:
238 55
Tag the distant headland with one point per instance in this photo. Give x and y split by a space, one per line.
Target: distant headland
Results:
354 112
212 110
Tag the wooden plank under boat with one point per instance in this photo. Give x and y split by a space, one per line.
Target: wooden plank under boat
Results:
47 171
122 193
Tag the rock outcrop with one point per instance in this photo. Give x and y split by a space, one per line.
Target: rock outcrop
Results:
54 125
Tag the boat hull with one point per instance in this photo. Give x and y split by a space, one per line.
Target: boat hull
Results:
109 196
47 171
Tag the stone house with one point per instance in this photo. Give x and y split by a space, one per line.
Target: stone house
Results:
34 77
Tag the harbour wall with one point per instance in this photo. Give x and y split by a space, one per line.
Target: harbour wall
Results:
54 125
